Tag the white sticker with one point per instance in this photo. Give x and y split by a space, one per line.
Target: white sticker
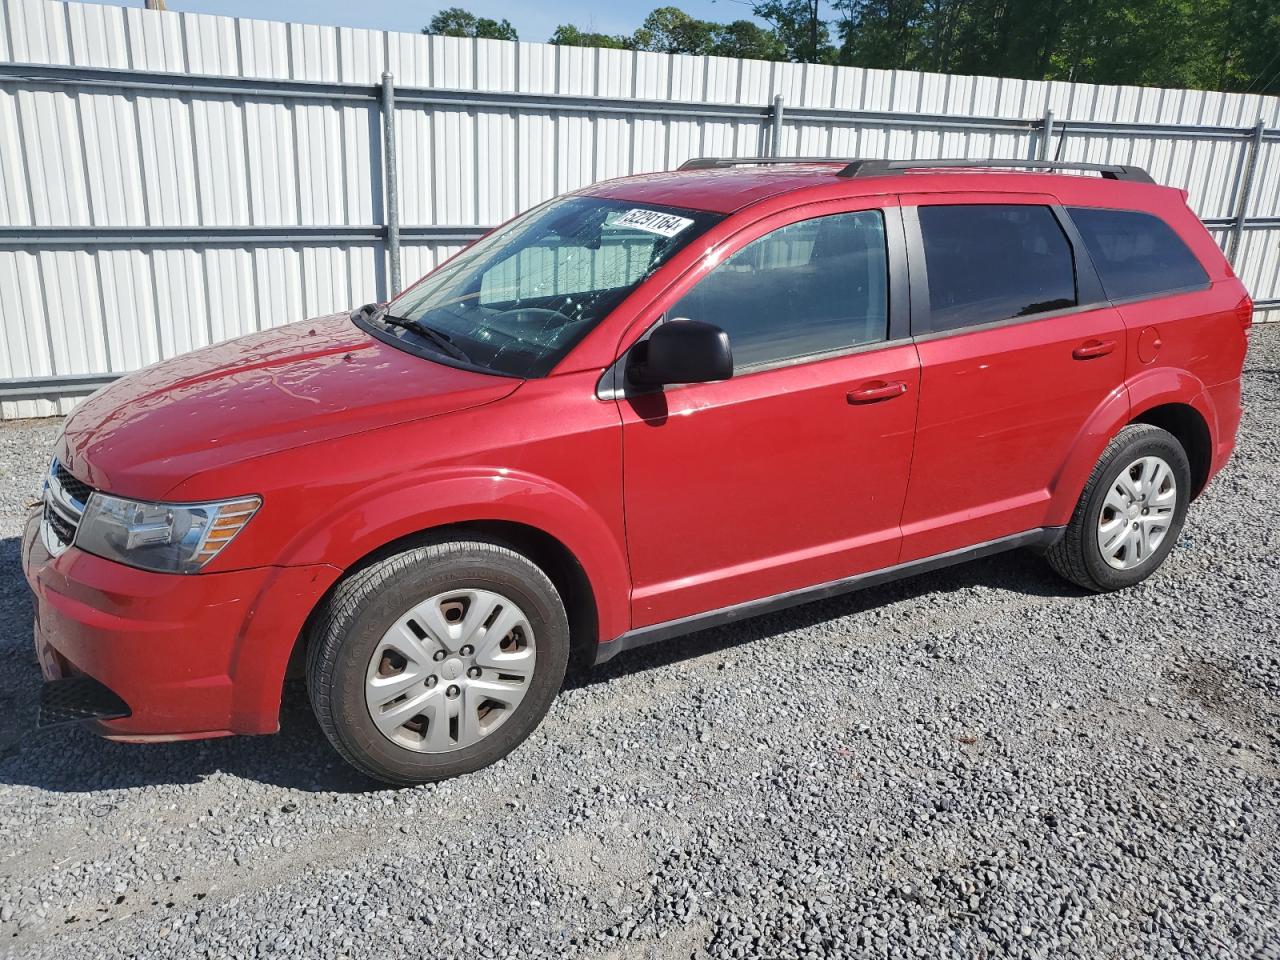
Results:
653 221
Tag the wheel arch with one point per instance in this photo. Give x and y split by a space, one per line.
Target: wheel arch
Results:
580 549
1191 430
546 551
1164 397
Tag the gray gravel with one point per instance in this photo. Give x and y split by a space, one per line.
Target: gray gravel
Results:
974 763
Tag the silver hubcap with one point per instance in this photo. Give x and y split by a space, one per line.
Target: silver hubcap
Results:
1137 513
450 671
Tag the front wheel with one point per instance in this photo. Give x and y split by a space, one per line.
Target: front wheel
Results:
1130 513
437 661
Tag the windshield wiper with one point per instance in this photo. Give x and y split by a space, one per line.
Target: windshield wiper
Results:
438 337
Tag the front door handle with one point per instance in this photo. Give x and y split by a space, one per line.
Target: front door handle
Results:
876 390
1093 348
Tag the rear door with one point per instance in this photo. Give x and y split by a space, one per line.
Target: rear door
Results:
792 472
1018 347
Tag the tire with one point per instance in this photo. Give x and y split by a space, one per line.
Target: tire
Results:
1082 554
381 609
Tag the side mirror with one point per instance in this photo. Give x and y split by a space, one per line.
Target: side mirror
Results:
681 351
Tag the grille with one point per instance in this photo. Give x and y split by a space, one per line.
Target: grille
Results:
76 489
62 528
78 698
65 498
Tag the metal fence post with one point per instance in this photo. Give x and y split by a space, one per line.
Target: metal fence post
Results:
389 166
775 142
1046 134
1246 188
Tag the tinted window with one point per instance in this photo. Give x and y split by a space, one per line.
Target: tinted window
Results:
809 287
993 262
1136 254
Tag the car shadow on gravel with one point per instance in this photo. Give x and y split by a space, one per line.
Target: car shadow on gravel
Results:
1019 571
73 760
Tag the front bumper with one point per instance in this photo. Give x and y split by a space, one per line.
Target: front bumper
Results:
191 656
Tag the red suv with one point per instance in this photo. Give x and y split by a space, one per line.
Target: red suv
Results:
655 405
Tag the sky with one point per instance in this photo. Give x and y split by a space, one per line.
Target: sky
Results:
533 20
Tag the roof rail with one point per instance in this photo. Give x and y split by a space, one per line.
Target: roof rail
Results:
878 168
713 163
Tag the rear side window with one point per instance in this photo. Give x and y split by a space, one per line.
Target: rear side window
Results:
1136 254
809 287
990 262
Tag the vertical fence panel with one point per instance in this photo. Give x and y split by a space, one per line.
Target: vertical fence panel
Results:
169 180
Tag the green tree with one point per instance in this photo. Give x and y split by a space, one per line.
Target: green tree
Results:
567 35
1245 52
748 40
804 35
457 22
883 34
1207 44
671 30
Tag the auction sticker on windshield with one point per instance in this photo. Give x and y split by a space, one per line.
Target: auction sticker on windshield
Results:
653 221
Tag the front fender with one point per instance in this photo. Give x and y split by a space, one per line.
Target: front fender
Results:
1145 391
397 507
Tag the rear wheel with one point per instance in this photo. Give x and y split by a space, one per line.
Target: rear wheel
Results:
1130 514
437 661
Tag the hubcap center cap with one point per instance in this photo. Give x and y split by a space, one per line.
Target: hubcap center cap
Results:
452 668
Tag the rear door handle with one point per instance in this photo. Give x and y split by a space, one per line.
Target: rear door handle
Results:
1093 348
876 390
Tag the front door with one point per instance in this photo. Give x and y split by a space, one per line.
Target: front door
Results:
793 472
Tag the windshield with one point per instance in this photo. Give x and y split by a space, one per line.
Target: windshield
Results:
517 300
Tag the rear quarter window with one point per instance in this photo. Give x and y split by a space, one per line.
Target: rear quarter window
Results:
1136 254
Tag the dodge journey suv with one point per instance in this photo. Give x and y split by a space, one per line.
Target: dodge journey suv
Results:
655 405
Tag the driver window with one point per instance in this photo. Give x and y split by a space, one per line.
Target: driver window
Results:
806 288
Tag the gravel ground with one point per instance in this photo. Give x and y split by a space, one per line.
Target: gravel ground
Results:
977 762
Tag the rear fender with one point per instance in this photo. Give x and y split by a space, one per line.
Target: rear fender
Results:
1147 390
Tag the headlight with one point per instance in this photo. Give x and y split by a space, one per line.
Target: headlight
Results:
166 537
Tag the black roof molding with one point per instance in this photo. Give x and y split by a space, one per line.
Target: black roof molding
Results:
879 168
713 163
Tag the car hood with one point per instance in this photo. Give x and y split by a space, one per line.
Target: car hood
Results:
302 383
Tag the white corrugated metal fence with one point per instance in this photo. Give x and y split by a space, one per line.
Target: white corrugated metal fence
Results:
169 180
